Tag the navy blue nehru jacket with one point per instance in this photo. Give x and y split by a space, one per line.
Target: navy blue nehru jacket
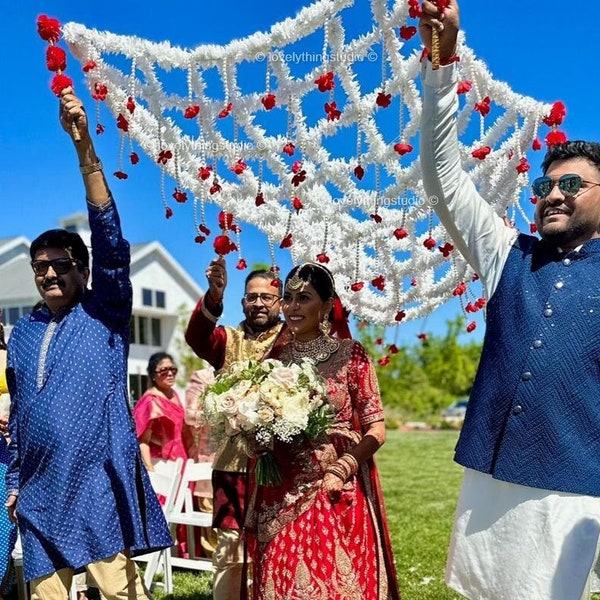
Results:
534 413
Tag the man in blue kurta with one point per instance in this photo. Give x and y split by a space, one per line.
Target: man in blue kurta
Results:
528 519
76 483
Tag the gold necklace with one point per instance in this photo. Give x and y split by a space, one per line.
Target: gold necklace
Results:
320 349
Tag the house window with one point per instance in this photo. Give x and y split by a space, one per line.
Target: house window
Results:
145 331
138 384
155 332
146 297
155 298
142 331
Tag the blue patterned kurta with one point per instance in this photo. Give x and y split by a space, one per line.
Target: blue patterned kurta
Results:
84 494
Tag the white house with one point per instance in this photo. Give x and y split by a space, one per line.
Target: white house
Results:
163 294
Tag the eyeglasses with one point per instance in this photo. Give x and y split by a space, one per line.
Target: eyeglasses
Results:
167 371
266 299
569 185
61 266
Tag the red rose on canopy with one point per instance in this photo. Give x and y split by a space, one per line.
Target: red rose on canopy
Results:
56 58
48 28
557 114
130 105
204 172
191 111
383 99
323 258
407 31
269 101
359 172
325 82
483 107
403 149
60 82
481 153
223 245
464 87
286 242
260 199
179 196
400 233
289 149
357 286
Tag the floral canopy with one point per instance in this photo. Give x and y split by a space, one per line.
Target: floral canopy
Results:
310 133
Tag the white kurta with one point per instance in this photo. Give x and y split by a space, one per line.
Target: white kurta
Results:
509 542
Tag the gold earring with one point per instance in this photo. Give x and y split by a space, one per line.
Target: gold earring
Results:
325 326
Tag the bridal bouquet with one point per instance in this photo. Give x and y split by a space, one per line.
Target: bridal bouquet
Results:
265 401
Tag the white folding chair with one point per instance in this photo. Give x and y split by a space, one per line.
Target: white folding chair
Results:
165 481
184 512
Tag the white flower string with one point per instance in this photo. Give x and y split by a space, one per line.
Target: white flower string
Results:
257 164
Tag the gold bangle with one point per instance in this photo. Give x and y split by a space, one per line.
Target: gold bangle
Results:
87 169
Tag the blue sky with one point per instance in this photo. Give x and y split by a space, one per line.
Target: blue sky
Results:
544 51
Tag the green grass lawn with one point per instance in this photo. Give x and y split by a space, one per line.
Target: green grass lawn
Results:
420 482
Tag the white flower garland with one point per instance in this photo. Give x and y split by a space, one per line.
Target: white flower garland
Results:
337 206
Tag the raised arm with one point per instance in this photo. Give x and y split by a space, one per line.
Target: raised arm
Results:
478 233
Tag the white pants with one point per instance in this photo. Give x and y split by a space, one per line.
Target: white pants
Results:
512 542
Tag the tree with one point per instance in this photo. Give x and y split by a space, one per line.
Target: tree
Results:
418 380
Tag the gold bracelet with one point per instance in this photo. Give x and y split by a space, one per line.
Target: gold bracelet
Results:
87 169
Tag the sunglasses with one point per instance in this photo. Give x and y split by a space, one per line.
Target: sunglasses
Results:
266 299
61 266
166 371
569 185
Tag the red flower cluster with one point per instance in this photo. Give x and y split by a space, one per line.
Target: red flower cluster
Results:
56 58
333 114
269 101
464 87
100 91
446 249
286 242
60 82
557 114
383 99
226 111
179 196
481 153
48 28
123 124
430 243
239 167
204 172
403 149
192 111
223 245
406 32
164 156
379 283
414 9
325 82
483 107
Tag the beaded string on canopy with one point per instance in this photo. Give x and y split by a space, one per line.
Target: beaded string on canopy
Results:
310 133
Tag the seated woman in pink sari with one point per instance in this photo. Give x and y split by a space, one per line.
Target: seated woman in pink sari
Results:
322 534
160 416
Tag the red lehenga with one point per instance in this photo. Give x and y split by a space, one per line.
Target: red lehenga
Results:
302 545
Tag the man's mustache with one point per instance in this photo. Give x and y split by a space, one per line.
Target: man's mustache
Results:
47 283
